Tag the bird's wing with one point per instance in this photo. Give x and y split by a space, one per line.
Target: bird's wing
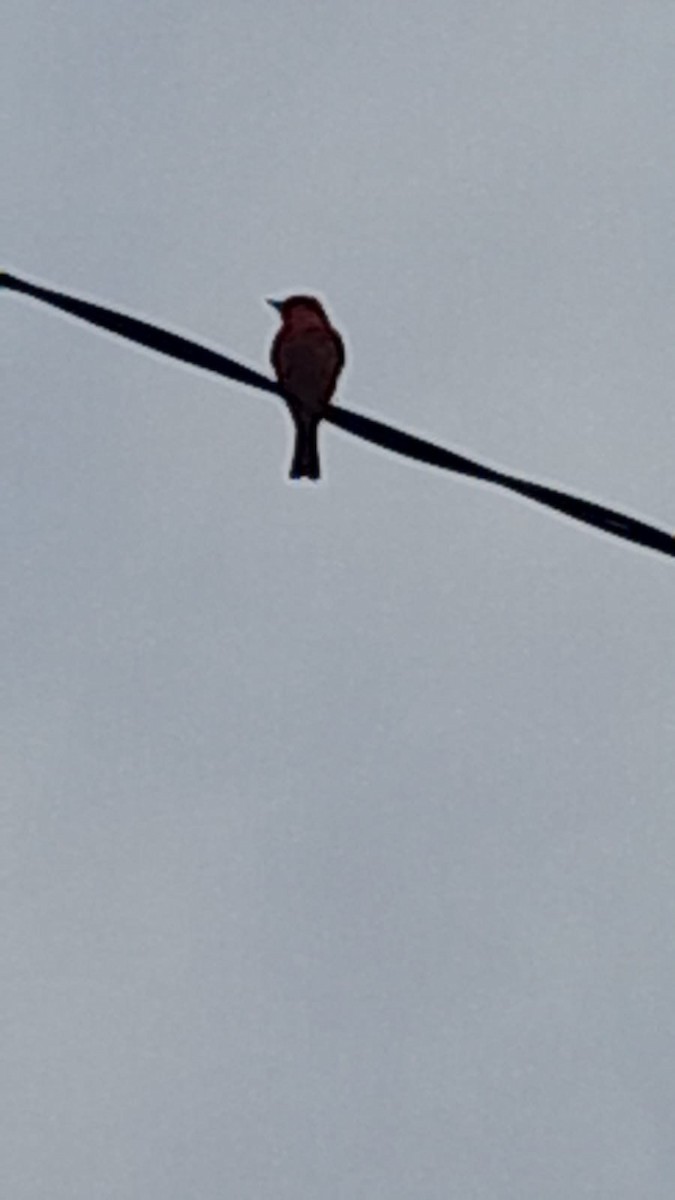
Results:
307 363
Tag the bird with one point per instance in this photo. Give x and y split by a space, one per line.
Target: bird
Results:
307 355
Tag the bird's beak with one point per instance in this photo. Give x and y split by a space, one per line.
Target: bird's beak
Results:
275 304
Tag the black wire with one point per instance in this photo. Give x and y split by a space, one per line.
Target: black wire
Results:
596 515
171 344
367 428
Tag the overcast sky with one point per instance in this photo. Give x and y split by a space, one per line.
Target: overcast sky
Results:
338 821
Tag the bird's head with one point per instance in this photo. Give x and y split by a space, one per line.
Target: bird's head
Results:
300 310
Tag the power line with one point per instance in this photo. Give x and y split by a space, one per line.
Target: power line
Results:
386 436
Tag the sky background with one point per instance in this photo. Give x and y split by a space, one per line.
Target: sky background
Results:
338 822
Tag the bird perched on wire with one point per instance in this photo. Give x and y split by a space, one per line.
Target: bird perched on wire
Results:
307 355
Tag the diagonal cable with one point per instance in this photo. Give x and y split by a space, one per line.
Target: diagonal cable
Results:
142 332
420 450
380 434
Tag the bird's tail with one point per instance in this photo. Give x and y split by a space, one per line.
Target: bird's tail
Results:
305 463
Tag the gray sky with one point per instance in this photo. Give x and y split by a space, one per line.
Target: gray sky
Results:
338 832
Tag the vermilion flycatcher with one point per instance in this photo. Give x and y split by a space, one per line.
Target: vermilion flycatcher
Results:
307 355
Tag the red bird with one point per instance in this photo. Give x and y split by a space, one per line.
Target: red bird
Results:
307 355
